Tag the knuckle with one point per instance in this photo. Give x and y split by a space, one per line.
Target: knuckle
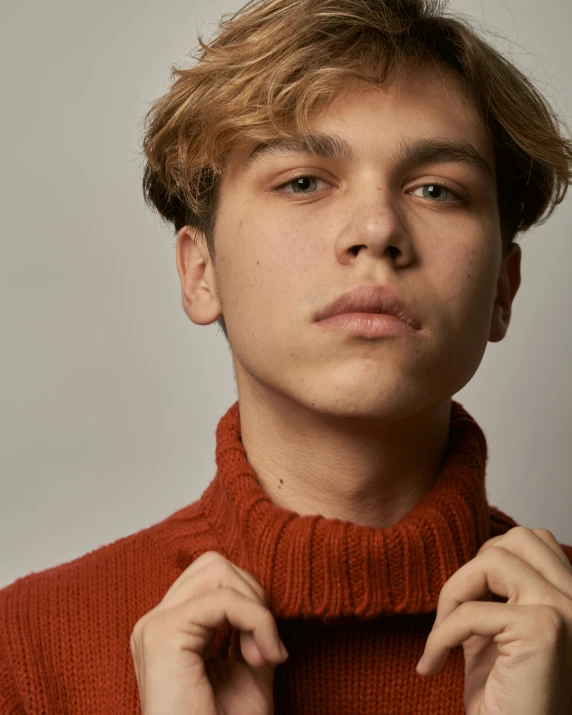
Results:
151 635
496 551
207 557
147 630
220 570
223 568
214 555
545 594
548 619
227 590
260 594
516 534
468 606
229 574
228 594
469 609
544 532
230 569
137 628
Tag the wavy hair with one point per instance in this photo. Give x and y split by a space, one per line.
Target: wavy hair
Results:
274 63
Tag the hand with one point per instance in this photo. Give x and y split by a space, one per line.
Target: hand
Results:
172 645
526 669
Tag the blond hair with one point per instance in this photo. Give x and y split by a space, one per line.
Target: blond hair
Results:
274 63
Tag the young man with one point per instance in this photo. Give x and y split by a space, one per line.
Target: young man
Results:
358 240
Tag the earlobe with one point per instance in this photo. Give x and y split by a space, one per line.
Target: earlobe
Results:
511 271
507 287
512 268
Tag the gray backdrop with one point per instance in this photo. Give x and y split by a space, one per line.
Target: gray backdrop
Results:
109 395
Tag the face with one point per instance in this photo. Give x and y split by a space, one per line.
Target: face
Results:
296 231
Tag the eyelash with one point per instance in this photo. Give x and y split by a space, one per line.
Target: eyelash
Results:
460 200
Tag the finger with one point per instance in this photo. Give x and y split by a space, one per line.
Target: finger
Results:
234 648
540 549
241 642
243 647
501 572
549 539
211 577
205 558
256 585
212 560
522 623
198 618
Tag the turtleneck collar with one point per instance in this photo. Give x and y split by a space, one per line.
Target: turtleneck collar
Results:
330 570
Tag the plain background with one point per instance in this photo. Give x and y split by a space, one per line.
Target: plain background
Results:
109 395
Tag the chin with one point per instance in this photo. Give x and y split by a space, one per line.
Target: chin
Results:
360 401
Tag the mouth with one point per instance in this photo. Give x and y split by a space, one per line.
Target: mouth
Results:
371 325
371 299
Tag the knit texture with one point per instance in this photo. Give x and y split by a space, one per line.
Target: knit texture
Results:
354 604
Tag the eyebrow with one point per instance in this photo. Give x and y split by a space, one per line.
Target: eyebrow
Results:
409 152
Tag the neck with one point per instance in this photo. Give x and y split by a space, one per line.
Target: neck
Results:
315 567
370 471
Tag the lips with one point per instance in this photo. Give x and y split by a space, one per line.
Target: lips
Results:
372 299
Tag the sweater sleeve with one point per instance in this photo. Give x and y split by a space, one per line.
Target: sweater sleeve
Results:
10 698
10 702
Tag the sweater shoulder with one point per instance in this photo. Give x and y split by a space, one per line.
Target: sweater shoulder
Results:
111 564
142 551
71 624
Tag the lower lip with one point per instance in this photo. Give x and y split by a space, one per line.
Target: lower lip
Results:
369 324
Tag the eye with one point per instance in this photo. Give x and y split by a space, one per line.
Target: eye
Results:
434 192
438 193
299 184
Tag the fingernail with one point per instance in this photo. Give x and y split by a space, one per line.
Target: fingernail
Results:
283 650
419 667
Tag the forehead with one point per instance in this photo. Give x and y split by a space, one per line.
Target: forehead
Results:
425 107
428 87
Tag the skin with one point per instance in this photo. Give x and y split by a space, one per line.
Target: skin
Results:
345 426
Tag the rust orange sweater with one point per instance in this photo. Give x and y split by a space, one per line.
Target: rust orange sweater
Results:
354 605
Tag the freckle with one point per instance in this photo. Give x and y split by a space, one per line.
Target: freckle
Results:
281 481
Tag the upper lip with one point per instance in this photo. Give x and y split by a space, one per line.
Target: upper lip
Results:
371 299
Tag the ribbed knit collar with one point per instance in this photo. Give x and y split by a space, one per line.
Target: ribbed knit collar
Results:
335 571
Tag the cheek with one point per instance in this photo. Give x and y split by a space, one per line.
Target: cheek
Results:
286 246
260 280
278 262
472 298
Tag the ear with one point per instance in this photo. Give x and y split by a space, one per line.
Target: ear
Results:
507 286
198 280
